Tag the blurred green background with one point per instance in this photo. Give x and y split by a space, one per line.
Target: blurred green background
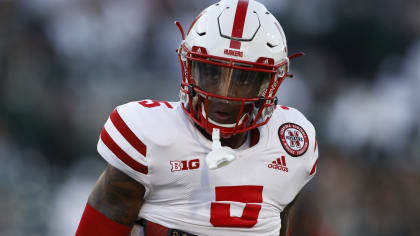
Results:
65 64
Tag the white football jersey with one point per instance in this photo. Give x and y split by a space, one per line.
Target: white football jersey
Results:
156 144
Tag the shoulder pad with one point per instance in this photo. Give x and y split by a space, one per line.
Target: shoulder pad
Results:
153 120
297 135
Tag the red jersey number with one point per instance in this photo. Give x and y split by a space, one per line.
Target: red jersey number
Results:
220 212
153 103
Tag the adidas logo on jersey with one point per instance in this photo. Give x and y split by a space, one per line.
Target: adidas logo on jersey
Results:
279 164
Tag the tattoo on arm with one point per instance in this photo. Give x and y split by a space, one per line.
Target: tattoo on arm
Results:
285 216
117 196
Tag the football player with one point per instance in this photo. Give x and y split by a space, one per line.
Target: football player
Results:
225 159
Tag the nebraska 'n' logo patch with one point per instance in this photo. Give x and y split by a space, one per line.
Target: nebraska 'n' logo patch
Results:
294 139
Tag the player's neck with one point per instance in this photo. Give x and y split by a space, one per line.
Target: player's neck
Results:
235 141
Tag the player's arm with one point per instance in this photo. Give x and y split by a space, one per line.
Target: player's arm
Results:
285 216
113 204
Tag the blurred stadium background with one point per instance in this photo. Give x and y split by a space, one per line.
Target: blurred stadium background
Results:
65 64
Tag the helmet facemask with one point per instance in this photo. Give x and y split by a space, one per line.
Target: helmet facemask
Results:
233 60
231 95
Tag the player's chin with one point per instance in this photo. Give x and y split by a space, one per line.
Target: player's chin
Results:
226 113
223 114
227 117
222 117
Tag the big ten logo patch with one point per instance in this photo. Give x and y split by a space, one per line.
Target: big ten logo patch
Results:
184 165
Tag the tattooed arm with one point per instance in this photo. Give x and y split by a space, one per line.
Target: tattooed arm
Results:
285 216
117 196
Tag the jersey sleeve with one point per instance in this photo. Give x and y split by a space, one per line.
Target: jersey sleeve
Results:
311 155
122 145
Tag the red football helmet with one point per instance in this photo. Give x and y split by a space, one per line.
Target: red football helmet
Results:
233 61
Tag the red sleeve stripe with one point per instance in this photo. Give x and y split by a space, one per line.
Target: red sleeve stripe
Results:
127 133
316 145
314 168
124 157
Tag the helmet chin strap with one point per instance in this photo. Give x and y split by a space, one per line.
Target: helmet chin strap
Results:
219 156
